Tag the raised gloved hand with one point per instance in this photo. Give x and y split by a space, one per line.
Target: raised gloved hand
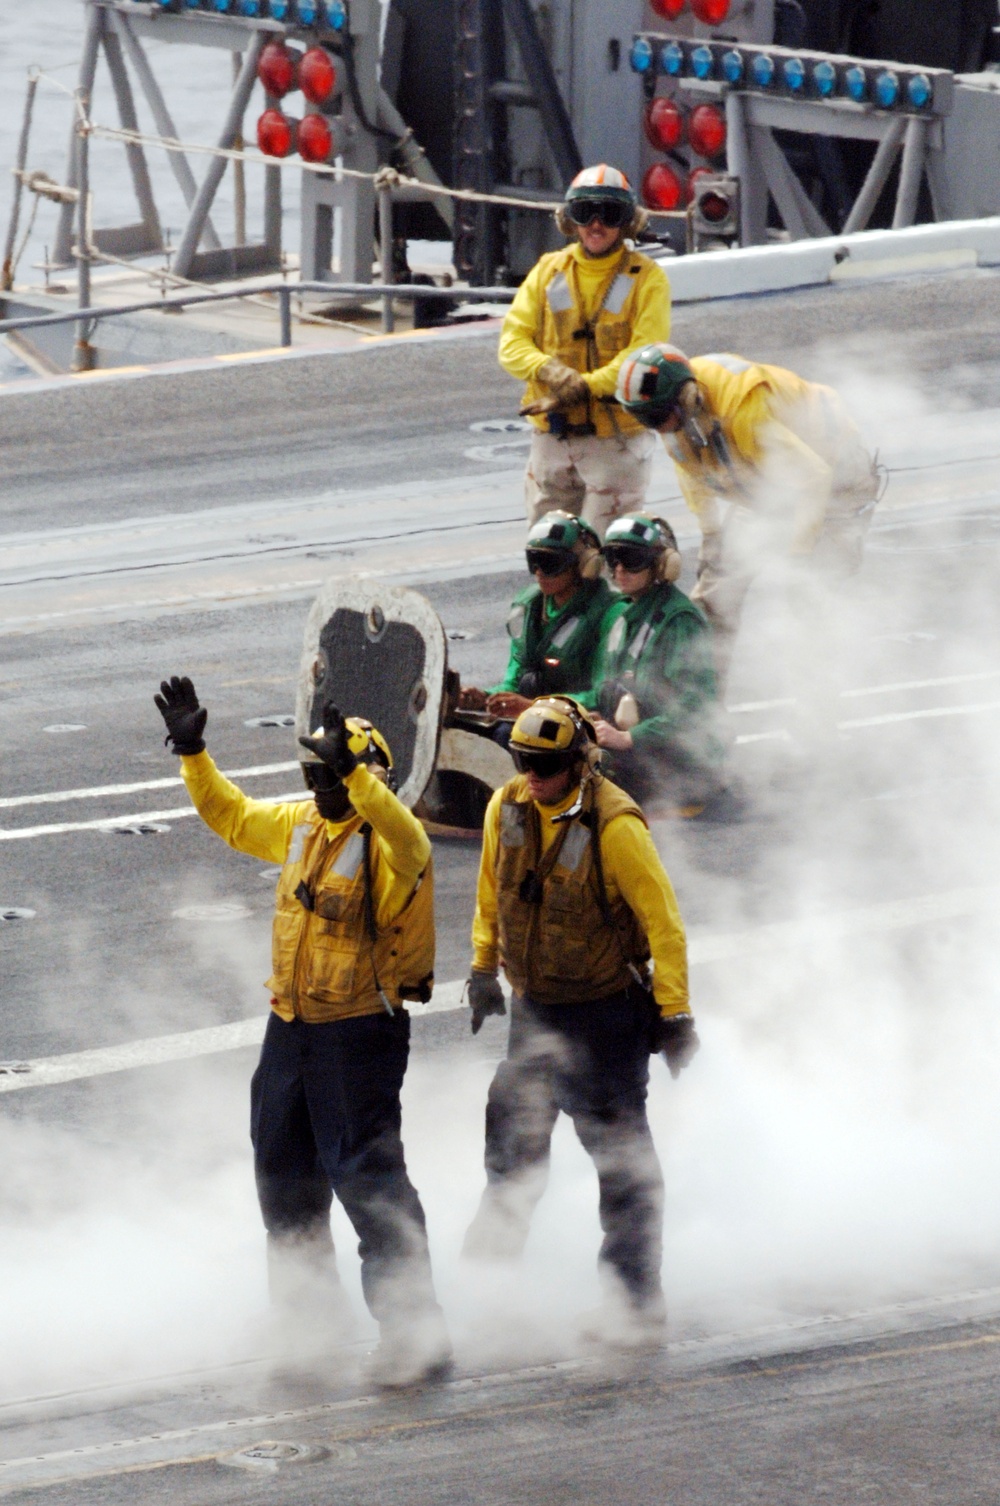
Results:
330 742
566 385
485 997
675 1037
185 717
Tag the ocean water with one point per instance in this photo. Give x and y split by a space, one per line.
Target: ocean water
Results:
196 82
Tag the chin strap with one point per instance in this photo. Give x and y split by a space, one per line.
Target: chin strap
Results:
715 441
591 775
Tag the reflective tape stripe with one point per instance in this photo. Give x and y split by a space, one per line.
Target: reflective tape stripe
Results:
299 834
640 640
618 292
349 860
616 635
559 294
512 824
566 632
735 364
574 846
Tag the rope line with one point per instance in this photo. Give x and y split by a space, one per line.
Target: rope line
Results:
258 159
379 178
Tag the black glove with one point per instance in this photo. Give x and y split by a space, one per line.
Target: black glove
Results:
185 718
675 1037
332 746
485 997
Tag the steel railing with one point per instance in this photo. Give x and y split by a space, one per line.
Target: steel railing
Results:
284 291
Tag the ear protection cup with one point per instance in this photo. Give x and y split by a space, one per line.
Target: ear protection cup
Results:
669 565
589 562
639 222
589 559
690 399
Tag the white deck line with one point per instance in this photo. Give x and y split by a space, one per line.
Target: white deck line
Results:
782 734
97 791
113 823
704 948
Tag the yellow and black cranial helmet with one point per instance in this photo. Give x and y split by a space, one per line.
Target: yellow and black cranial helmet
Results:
365 742
552 734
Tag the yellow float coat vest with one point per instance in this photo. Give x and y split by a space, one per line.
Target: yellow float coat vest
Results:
563 331
562 950
325 961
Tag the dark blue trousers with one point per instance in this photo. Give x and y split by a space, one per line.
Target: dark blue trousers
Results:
590 1061
325 1118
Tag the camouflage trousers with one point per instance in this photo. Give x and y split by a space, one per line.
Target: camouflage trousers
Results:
593 478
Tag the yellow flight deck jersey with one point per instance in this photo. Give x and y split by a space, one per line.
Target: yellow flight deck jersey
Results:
624 297
326 964
787 440
633 874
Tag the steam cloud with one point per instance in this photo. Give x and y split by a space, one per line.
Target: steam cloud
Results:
833 1146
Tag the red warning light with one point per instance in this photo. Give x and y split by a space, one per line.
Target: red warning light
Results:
318 76
662 188
668 9
663 123
276 133
695 178
317 142
714 206
277 69
711 12
707 130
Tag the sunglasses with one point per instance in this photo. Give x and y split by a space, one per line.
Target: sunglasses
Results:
548 561
612 214
631 557
542 764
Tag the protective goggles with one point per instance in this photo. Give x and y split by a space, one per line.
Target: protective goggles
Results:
548 561
631 557
612 213
527 761
655 415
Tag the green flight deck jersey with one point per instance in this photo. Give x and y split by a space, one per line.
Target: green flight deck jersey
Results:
560 643
659 647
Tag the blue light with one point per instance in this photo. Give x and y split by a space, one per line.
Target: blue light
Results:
249 7
336 17
732 67
641 56
672 59
308 12
856 84
919 89
795 74
824 79
762 69
702 62
221 6
886 90
281 10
